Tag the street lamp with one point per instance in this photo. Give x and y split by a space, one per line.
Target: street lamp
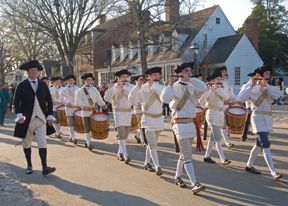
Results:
195 50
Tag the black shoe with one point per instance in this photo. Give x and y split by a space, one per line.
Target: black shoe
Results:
71 140
230 145
127 160
252 170
86 145
226 162
159 171
277 176
58 136
75 141
244 138
149 167
90 148
48 170
209 160
197 188
120 157
178 181
29 170
138 140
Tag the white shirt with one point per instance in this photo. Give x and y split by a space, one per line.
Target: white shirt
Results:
214 101
149 123
55 94
120 101
133 99
68 95
260 122
82 99
174 94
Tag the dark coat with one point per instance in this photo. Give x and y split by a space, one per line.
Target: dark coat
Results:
24 99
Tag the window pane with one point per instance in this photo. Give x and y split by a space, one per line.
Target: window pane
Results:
237 79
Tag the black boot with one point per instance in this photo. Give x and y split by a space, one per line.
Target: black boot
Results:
43 155
27 153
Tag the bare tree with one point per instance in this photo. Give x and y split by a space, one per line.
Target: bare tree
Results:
147 20
64 21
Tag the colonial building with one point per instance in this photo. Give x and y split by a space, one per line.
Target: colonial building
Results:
205 37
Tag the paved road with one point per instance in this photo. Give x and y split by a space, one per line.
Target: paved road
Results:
97 178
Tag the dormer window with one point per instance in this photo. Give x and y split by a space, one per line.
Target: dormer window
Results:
123 52
151 48
115 53
218 20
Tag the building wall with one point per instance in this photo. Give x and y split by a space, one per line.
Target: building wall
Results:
213 32
244 56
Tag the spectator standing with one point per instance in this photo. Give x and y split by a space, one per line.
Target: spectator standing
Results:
4 103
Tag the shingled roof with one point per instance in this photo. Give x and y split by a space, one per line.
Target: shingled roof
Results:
222 49
119 31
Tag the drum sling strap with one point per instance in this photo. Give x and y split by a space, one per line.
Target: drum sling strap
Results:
261 98
88 97
115 99
153 97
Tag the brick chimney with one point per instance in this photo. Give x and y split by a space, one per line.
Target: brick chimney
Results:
102 19
252 30
172 9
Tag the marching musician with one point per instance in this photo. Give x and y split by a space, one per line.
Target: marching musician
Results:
139 81
152 119
34 108
183 96
231 99
248 107
133 97
198 76
55 91
68 94
261 95
117 95
45 80
88 98
214 99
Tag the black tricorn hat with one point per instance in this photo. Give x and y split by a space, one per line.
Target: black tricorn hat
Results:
87 75
264 68
70 76
154 70
197 75
137 77
121 72
213 76
219 69
56 78
252 74
31 64
44 78
183 66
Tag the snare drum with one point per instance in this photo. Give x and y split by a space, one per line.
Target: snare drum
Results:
134 123
200 115
78 121
61 114
235 119
99 125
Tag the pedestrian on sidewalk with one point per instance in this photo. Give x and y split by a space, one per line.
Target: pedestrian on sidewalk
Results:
4 103
34 109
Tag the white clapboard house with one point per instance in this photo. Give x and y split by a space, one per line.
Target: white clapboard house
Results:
205 37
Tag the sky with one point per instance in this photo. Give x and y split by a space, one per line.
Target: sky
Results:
235 10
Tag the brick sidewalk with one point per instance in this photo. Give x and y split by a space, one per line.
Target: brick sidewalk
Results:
12 192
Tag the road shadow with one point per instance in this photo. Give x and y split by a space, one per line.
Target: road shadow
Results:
92 195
